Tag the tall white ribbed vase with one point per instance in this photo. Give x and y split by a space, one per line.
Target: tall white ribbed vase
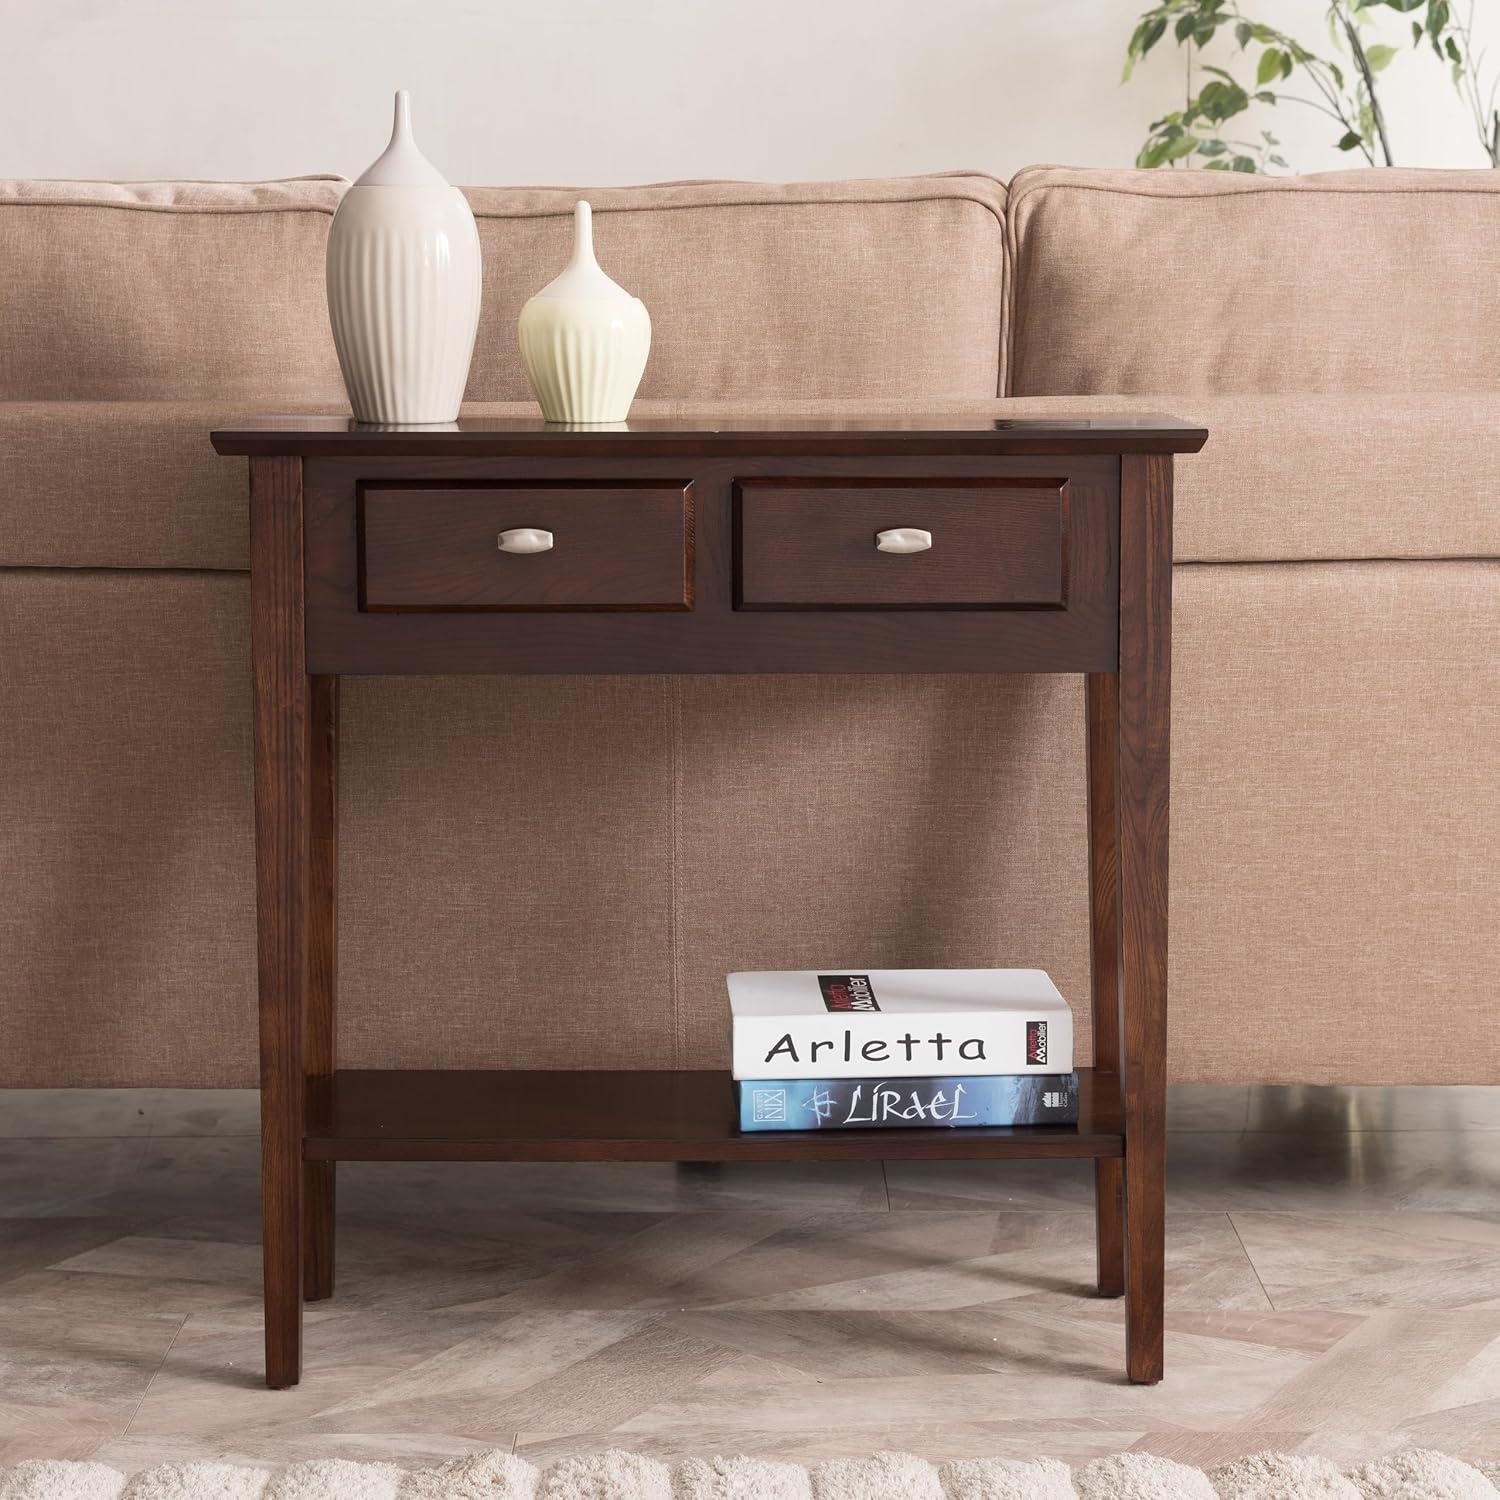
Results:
584 339
403 286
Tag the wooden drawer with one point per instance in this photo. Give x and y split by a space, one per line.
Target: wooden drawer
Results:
816 544
625 545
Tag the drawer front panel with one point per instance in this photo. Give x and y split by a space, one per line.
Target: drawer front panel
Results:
912 544
626 546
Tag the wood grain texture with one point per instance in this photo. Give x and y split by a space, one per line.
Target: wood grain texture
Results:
321 1033
996 544
1102 719
713 636
281 733
1143 817
453 1115
616 546
316 436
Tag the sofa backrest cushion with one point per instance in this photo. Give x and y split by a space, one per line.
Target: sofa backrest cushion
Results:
161 291
207 291
1222 283
884 289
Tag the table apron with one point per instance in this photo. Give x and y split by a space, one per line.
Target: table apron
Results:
713 636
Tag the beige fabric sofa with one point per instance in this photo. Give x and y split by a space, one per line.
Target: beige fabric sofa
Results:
1336 751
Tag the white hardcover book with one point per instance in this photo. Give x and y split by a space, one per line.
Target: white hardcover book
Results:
898 1023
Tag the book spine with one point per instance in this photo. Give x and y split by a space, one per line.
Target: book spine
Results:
903 1045
906 1103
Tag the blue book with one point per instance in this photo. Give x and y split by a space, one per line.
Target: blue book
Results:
908 1103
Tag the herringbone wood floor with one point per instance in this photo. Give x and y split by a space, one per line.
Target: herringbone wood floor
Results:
1334 1286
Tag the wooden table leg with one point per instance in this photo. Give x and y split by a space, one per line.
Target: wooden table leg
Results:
321 1036
282 719
1102 691
1144 724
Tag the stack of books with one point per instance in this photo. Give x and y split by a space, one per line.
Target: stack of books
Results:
901 1048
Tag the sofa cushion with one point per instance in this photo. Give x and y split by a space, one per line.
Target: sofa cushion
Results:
120 484
156 291
136 484
884 289
1285 479
1221 283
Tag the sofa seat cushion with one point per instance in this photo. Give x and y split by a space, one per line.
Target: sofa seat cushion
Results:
160 291
119 484
1288 479
135 484
1219 282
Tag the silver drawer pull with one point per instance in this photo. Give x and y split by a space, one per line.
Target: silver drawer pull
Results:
903 539
525 539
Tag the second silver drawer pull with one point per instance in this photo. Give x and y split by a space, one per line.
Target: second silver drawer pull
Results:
525 539
903 539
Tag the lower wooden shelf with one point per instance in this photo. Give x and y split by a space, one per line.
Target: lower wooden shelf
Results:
379 1115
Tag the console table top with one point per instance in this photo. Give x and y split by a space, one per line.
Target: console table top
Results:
332 436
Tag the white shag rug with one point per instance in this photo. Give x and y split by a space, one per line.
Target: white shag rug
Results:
1413 1475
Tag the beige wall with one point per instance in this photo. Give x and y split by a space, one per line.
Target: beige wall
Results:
611 91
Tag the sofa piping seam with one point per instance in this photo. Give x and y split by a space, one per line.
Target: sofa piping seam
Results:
562 212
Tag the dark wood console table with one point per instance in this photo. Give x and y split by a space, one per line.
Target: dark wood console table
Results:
941 544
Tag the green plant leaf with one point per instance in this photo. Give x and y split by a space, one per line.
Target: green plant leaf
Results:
1379 56
1243 33
1243 164
1212 148
1162 150
1219 101
1146 35
1270 65
1350 140
1184 28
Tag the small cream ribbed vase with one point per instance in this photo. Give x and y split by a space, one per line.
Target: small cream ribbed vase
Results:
584 338
403 286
